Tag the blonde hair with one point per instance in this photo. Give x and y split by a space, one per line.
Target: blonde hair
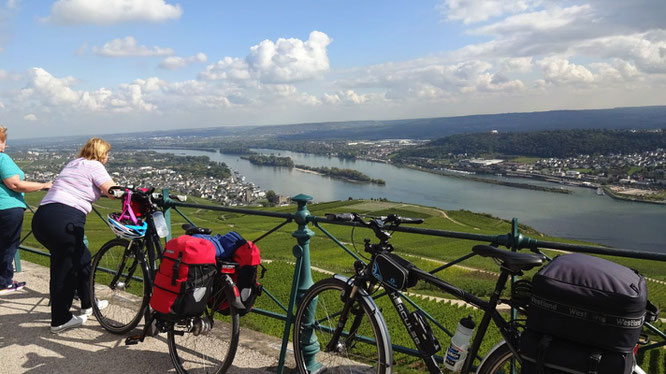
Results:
95 149
3 134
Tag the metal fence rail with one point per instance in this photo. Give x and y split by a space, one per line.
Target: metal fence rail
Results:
302 278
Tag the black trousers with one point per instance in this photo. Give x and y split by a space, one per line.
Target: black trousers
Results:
60 228
11 221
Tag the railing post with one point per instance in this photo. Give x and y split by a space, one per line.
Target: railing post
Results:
302 279
17 260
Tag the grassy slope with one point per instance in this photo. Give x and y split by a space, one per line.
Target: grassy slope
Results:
426 251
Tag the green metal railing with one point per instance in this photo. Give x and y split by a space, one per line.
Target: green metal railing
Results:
302 278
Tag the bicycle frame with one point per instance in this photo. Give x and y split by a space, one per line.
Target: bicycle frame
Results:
489 308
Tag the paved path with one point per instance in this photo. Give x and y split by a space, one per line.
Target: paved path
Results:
27 345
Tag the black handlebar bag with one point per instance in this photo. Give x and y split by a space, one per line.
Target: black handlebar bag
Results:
589 300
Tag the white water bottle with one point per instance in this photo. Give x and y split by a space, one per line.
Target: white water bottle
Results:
160 224
457 351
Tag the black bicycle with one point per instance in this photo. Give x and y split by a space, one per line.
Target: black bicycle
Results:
339 328
122 280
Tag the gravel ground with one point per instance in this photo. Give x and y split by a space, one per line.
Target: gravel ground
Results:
27 345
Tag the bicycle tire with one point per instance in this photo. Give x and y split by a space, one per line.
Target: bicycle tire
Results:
211 352
127 301
499 361
325 300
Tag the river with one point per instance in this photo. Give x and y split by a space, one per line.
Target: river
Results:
582 215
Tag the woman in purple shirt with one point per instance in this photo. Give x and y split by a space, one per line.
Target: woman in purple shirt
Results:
59 225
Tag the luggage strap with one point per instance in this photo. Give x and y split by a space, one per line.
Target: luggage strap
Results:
593 362
544 343
176 265
588 315
652 312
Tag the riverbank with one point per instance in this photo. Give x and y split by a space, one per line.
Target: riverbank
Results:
632 195
459 175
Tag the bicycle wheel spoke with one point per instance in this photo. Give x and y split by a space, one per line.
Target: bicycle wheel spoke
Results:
355 351
123 291
207 352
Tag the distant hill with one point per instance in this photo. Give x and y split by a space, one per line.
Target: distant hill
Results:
423 128
433 128
559 143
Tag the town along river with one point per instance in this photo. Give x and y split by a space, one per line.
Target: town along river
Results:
581 215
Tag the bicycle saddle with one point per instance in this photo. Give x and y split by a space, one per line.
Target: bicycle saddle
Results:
192 229
513 262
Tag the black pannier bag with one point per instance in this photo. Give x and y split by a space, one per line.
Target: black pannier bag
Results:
393 270
544 354
585 317
589 300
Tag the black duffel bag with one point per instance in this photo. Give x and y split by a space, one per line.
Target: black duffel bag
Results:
545 354
589 300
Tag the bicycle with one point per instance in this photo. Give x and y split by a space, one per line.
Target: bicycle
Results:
122 273
339 328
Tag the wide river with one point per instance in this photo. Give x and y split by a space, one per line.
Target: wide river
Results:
582 215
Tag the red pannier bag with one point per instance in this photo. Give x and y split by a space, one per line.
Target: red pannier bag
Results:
248 258
185 278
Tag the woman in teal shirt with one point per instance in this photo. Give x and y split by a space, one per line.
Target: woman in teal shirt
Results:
12 207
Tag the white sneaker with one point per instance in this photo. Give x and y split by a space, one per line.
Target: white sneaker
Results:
101 304
76 321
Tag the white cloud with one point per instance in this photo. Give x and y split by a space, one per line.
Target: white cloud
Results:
561 71
30 117
2 106
107 12
285 61
519 64
290 60
3 74
646 50
427 79
175 62
12 4
128 46
227 68
545 20
346 97
47 90
470 11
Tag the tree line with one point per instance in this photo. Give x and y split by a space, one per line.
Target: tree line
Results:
544 144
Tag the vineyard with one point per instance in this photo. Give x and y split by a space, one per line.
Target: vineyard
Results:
478 275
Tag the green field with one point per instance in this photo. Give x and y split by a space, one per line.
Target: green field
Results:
478 275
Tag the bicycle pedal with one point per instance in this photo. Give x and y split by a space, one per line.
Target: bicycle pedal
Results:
132 340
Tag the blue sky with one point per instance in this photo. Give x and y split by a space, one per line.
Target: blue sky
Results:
108 66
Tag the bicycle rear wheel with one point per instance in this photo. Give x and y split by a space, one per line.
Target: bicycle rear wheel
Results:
205 352
118 277
363 346
500 361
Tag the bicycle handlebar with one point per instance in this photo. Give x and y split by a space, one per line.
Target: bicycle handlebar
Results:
392 219
379 225
119 191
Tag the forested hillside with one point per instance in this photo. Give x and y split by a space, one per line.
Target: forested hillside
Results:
417 128
563 143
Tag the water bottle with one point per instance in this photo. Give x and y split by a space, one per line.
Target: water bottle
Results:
160 224
457 352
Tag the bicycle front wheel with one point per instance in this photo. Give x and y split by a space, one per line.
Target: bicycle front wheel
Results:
363 345
204 345
500 361
118 278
